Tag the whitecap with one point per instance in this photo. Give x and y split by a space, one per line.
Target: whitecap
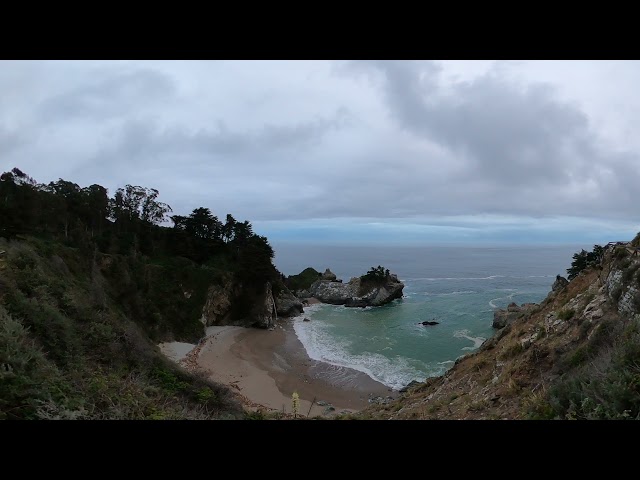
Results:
477 341
395 372
490 277
462 292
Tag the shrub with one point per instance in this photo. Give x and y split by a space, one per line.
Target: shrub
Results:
566 314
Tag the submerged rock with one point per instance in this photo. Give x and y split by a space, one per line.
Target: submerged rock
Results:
428 323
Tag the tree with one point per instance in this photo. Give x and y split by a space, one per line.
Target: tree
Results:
578 264
229 228
133 203
70 201
584 259
96 206
242 232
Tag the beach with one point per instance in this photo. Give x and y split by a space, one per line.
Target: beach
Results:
264 367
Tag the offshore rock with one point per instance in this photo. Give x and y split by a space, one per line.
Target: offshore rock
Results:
351 295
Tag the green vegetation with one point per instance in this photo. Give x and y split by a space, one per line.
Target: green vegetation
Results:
375 277
603 380
376 274
584 259
303 280
89 284
566 314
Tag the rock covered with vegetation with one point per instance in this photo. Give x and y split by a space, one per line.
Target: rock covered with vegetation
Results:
377 287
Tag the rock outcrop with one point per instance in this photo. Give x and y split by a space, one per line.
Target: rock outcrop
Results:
503 317
287 304
351 295
330 276
264 314
559 284
264 309
217 307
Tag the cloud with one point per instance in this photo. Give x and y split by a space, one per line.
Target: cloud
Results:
396 142
107 94
524 150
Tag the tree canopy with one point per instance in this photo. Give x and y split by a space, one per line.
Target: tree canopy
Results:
132 221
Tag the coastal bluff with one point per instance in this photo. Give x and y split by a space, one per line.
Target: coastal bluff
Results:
363 291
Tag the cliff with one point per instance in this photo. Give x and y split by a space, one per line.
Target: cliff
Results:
232 303
575 355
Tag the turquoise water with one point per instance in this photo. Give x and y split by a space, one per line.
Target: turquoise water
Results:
458 287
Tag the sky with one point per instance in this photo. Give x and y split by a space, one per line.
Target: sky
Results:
346 152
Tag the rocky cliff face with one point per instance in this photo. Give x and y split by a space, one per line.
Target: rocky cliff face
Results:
574 355
264 313
350 294
287 304
217 307
263 310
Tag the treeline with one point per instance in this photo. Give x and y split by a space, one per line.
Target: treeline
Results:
130 223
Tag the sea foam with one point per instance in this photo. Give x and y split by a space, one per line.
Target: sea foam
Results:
395 372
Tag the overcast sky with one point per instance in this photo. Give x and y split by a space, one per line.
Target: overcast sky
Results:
346 151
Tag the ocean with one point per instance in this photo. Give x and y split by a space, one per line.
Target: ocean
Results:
459 287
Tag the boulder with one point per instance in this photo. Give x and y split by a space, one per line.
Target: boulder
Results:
303 294
428 323
502 318
287 304
559 284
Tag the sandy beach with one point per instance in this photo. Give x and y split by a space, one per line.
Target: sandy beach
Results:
264 368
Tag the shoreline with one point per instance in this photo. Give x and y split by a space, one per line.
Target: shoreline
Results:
264 367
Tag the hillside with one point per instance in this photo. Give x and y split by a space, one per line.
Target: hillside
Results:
90 284
573 356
